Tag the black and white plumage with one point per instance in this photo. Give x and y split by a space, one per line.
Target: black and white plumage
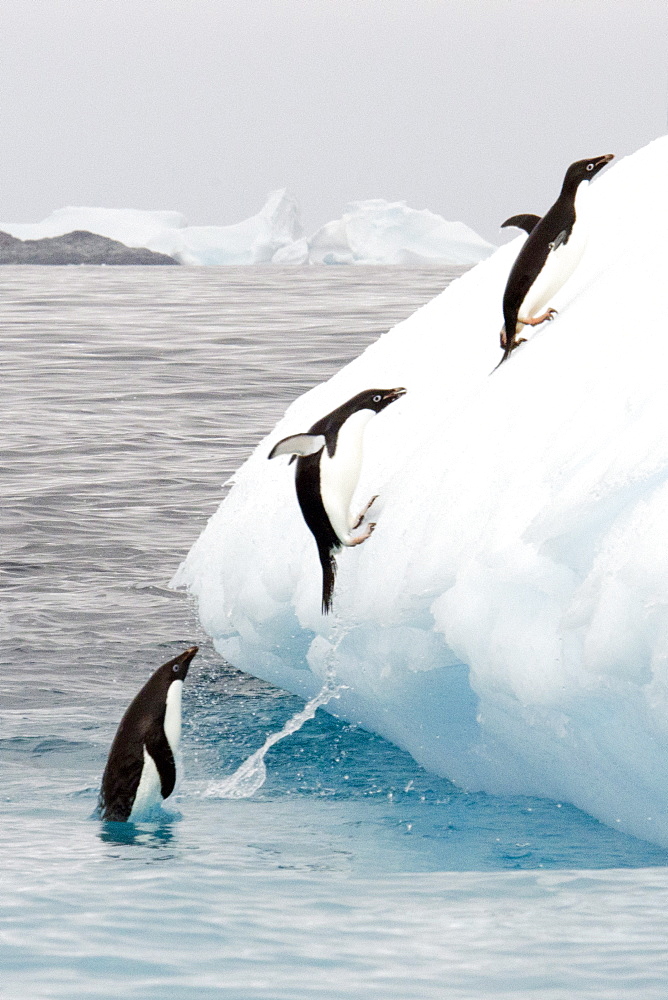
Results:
549 256
141 767
329 461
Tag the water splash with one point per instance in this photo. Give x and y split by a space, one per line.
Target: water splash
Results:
252 774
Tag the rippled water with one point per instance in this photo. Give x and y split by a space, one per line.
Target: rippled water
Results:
129 396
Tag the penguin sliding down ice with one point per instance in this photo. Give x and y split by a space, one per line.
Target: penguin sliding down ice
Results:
549 256
141 768
329 460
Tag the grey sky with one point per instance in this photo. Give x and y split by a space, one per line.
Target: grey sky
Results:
471 109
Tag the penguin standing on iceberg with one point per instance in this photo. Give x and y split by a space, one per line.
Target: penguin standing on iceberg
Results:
549 256
329 460
141 768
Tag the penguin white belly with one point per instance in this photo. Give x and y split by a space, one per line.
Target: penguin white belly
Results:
340 474
172 721
560 263
149 792
556 271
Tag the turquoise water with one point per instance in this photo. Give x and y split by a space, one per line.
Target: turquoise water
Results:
129 396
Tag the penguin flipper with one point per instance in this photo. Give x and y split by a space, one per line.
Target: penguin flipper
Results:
527 222
298 444
157 746
561 238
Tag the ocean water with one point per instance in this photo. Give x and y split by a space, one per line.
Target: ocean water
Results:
129 396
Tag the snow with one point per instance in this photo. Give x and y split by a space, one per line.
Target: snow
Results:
507 622
376 232
383 232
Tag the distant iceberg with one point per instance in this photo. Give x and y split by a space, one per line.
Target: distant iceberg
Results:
133 227
507 622
253 241
384 232
370 232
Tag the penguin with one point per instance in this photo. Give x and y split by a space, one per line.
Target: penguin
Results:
549 256
329 460
527 222
141 768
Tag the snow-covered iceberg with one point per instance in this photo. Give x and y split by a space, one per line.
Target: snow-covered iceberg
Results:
507 623
383 232
370 232
133 227
253 241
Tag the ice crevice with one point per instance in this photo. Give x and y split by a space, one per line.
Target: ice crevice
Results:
507 622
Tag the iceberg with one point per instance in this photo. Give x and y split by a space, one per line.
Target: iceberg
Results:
383 232
253 241
507 622
133 227
370 232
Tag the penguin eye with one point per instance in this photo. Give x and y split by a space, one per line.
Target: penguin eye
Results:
377 398
590 166
175 668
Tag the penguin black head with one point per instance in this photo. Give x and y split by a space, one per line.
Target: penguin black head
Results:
176 669
584 170
374 399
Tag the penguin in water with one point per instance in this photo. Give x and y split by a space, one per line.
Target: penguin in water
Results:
549 256
329 460
141 768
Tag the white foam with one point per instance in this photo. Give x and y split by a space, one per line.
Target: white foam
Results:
252 774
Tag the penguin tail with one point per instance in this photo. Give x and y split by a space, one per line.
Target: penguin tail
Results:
507 347
328 563
506 354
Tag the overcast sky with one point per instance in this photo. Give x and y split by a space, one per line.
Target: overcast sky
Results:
472 109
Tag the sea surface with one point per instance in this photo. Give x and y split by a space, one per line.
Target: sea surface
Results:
129 396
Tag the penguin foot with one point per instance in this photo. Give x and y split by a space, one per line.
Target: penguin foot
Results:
546 317
361 517
363 538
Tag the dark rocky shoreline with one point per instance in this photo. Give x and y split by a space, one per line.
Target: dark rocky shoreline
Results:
78 247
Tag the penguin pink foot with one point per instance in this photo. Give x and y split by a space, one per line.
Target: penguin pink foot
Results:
515 343
546 317
363 538
361 517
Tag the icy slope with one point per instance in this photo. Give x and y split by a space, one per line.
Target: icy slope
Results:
383 232
507 623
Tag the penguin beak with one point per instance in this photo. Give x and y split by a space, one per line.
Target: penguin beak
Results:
394 394
185 659
602 160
